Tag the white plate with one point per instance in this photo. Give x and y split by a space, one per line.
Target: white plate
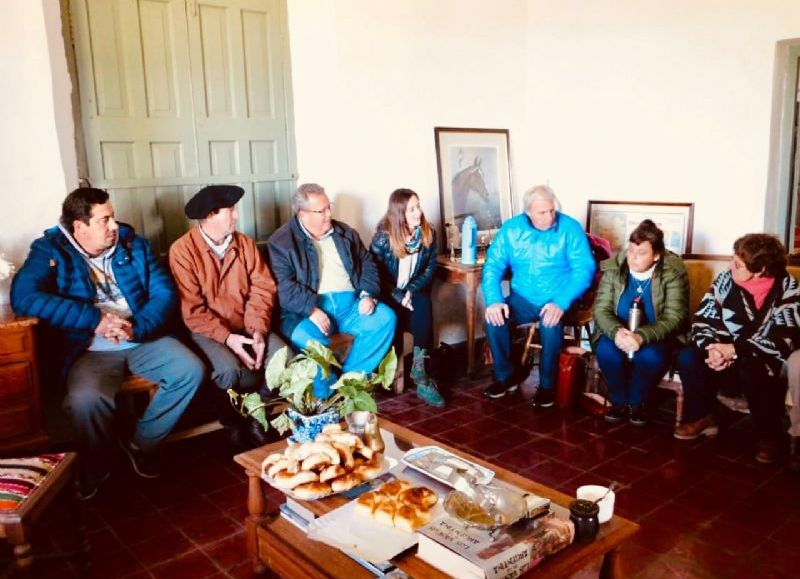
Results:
440 464
363 536
387 464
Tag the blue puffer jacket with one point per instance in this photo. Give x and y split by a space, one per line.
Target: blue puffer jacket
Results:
54 285
388 265
295 267
555 265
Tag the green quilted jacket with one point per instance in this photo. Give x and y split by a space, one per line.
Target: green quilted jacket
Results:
670 289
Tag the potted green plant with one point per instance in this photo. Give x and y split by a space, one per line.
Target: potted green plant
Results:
293 379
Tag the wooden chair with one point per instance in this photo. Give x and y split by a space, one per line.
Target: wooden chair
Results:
29 485
577 320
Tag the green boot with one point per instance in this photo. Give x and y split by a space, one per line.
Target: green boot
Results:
426 387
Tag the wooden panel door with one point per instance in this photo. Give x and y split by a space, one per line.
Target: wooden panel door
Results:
177 94
240 104
136 107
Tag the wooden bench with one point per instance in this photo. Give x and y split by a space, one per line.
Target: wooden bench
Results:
133 385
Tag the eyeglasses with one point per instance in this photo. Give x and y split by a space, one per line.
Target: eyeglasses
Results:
323 211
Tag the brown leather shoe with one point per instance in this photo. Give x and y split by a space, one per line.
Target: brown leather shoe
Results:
767 451
706 426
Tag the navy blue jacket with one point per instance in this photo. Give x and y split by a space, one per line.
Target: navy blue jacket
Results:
388 264
54 285
295 267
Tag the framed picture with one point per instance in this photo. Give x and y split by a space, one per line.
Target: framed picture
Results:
474 179
614 221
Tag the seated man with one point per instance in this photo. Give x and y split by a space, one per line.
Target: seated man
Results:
227 295
327 282
105 303
551 266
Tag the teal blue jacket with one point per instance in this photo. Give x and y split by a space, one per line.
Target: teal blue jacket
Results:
554 265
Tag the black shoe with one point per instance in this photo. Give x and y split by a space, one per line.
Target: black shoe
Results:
145 464
638 415
500 388
544 397
89 485
617 413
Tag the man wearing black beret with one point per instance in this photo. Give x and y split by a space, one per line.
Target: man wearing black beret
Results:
227 294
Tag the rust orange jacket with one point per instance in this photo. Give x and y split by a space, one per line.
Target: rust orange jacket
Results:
219 297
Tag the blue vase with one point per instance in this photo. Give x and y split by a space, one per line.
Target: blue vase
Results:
306 428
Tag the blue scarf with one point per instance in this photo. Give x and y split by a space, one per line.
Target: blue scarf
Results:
416 241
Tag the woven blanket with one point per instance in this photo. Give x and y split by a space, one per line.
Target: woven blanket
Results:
19 477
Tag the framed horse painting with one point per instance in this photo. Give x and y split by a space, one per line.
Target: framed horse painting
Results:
474 179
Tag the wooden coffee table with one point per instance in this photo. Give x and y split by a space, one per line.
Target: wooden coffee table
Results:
275 543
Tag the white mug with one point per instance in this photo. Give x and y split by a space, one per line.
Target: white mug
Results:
594 492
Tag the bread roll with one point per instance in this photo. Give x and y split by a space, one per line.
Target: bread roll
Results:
311 491
345 455
329 428
331 472
395 487
346 482
407 518
365 451
307 449
421 498
368 502
316 461
384 512
277 467
372 468
273 458
347 438
286 480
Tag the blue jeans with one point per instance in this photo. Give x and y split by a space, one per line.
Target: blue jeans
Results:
629 381
373 334
96 377
418 322
499 337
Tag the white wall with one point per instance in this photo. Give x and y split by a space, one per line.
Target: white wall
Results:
32 174
653 100
627 100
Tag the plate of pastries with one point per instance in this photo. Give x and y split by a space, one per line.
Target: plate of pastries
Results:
398 504
336 461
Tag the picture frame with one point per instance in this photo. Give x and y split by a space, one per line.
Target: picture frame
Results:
474 179
615 220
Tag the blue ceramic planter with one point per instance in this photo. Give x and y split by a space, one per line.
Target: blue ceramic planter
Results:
306 428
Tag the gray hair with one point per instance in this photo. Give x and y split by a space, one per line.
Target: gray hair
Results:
540 193
300 197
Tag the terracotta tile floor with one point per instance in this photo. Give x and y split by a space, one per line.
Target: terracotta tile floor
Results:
706 508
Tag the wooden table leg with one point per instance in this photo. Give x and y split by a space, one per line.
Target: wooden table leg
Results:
256 504
610 568
472 299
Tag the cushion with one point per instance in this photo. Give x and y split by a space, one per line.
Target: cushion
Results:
19 477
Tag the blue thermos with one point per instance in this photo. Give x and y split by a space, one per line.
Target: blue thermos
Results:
469 241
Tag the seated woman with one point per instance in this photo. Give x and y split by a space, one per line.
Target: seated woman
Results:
742 334
633 362
404 246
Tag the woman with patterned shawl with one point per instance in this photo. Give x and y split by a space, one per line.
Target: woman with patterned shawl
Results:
746 327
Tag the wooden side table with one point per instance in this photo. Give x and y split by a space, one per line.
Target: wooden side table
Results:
20 409
470 277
